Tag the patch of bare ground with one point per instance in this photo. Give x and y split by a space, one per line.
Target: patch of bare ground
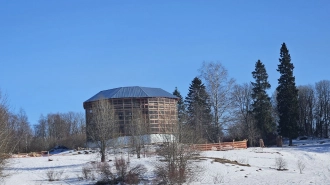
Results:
223 161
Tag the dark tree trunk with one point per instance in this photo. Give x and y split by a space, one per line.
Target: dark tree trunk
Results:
103 146
102 157
290 141
138 151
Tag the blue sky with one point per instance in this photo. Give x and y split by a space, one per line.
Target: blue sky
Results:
54 55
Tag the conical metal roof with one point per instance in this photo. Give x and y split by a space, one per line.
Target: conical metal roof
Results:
131 92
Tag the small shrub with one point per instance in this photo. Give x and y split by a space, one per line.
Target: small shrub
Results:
53 175
105 171
175 166
162 175
280 163
121 167
135 174
132 179
87 172
301 165
122 175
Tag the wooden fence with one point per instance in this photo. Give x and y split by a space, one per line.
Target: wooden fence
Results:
221 146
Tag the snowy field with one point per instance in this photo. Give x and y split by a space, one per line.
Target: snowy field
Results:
315 154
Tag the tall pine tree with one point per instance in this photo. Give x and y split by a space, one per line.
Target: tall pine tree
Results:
262 107
199 111
287 97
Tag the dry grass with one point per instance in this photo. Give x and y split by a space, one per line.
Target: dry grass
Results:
224 161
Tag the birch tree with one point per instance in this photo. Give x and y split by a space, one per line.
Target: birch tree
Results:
218 85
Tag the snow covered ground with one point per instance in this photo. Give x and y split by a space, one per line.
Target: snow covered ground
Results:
315 154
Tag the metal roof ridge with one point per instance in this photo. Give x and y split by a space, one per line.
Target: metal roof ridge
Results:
110 89
143 90
117 90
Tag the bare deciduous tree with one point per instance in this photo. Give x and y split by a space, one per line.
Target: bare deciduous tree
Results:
67 129
4 131
306 100
8 128
244 127
76 137
102 125
218 86
322 108
138 128
22 132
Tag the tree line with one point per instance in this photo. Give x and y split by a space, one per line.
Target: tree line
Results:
314 109
218 109
17 135
57 129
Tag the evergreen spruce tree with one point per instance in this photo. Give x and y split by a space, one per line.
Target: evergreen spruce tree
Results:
287 97
199 111
182 118
262 107
181 106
